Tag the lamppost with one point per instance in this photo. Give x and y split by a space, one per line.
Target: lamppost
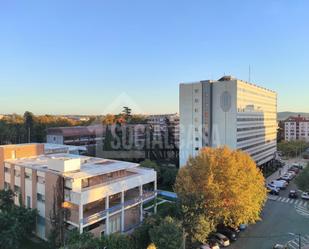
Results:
299 238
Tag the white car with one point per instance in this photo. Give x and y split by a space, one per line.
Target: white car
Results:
222 239
282 184
273 189
305 196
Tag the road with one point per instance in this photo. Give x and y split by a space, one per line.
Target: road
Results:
280 217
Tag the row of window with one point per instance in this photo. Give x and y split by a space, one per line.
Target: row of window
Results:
257 144
256 128
28 175
256 119
264 150
255 136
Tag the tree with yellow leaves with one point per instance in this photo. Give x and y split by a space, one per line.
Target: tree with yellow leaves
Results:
223 185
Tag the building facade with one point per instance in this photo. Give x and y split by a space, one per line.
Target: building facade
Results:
165 126
296 128
98 195
228 112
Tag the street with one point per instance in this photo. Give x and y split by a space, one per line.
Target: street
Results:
281 218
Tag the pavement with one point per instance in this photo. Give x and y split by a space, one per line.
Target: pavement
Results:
288 164
281 218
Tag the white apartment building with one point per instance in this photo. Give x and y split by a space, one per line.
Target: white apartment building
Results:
228 112
296 128
99 195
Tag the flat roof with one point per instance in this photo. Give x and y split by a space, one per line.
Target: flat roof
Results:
48 147
90 166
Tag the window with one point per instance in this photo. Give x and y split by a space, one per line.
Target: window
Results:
28 202
196 129
41 220
195 110
6 186
28 175
40 197
16 189
196 90
196 139
6 170
40 179
17 173
196 100
197 148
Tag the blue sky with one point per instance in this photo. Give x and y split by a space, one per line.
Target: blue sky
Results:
81 57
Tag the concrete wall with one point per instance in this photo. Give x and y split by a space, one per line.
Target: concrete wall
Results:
224 112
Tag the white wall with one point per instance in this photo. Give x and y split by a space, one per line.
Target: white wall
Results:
54 139
224 123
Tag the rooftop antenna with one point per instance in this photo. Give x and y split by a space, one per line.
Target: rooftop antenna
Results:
249 73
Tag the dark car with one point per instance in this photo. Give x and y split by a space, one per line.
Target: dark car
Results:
293 194
228 232
294 169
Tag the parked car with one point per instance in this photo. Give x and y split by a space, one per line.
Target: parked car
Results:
282 184
279 246
305 196
298 165
213 244
206 246
227 232
292 173
287 177
273 190
242 227
293 194
295 169
222 239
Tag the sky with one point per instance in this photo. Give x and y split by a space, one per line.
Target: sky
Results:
93 57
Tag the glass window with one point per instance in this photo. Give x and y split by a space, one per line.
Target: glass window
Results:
28 202
40 179
41 220
40 197
28 175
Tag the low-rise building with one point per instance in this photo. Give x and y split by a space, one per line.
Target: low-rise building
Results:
97 195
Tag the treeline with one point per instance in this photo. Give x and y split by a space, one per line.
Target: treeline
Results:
293 148
15 129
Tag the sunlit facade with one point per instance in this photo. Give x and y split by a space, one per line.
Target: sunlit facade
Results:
228 112
97 195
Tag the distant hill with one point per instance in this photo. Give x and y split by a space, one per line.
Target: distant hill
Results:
285 115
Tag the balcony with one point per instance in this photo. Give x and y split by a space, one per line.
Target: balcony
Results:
147 196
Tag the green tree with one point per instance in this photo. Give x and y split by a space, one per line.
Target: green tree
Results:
302 180
75 240
140 237
167 235
227 185
16 222
152 165
6 200
29 122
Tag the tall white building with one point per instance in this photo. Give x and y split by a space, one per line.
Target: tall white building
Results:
228 112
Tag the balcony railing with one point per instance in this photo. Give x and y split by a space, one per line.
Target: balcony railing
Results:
147 195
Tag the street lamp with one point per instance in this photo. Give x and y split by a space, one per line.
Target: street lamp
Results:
299 238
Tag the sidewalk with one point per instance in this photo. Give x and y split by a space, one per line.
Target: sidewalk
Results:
284 169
